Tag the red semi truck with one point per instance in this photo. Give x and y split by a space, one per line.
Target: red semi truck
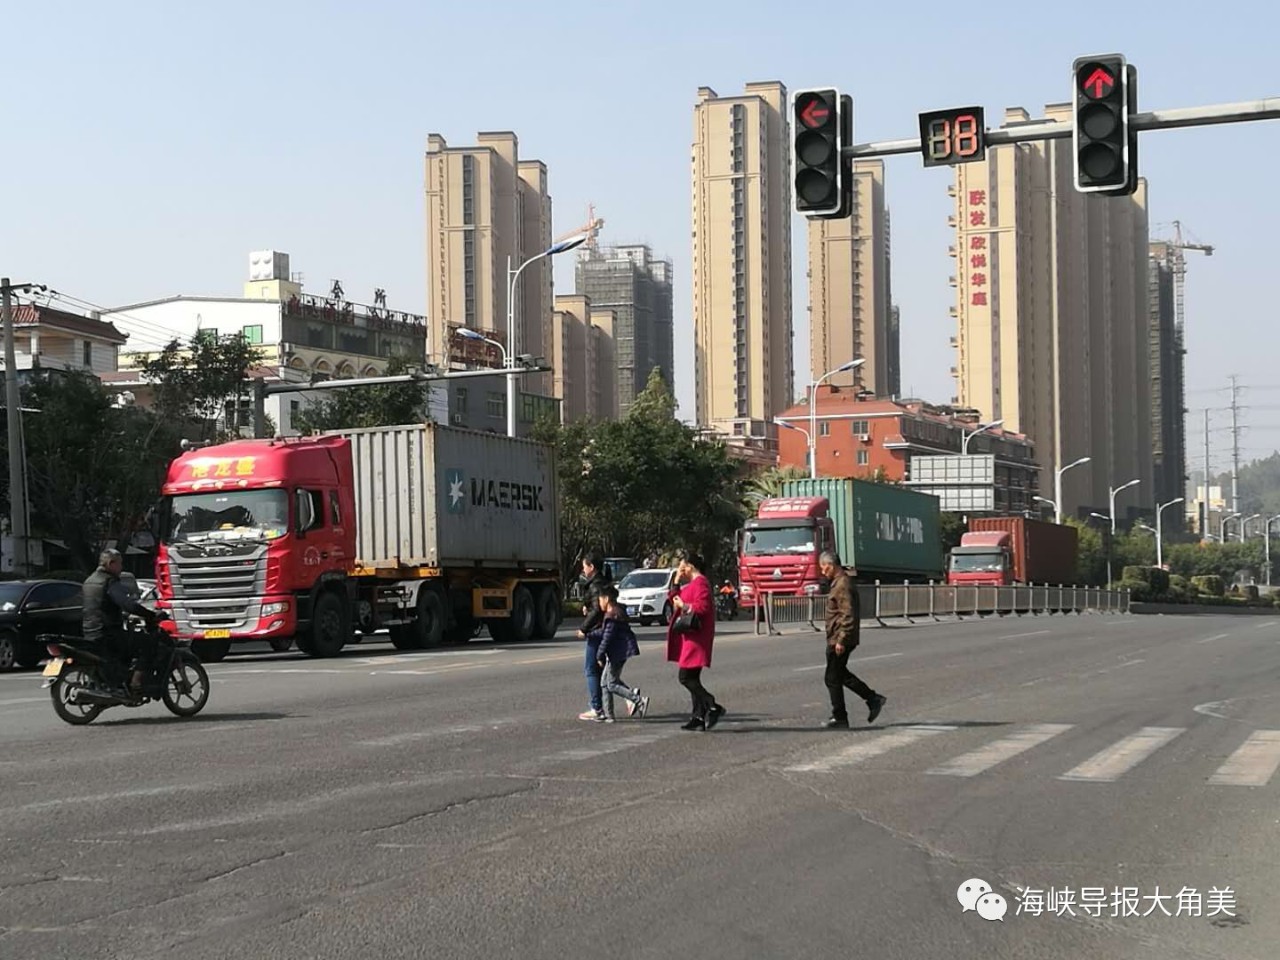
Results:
422 529
999 551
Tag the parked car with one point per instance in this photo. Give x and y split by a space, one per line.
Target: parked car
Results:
29 608
645 595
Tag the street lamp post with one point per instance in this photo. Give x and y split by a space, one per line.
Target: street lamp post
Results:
1057 486
1123 486
510 354
1159 528
813 412
1222 527
1267 532
792 426
1048 501
964 445
1244 525
1110 540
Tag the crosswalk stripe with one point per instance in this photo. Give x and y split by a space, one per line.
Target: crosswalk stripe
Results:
590 753
1254 762
998 751
871 747
1110 764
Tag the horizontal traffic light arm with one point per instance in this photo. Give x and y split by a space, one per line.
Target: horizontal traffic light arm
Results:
1243 112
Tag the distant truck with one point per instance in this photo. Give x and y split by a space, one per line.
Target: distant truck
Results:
881 531
999 551
422 529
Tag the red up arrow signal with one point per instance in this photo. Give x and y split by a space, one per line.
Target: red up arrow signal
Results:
1101 82
815 114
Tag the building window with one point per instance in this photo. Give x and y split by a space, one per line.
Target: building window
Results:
460 400
253 333
824 429
496 404
295 407
860 427
864 457
88 353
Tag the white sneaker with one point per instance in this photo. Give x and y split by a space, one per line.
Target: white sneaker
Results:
594 715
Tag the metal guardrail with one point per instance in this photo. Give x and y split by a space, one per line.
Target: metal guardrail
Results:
911 602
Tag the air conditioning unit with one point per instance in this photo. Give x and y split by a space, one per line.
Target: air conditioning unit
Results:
457 419
864 437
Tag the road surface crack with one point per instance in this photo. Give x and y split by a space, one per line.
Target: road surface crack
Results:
245 866
449 807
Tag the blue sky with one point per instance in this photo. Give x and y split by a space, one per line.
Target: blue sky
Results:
152 146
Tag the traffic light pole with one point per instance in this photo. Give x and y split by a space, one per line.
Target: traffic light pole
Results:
1244 112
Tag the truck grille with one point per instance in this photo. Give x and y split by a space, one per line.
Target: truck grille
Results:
219 587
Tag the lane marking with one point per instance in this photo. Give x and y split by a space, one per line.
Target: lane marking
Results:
998 751
1254 762
872 747
108 797
1269 623
1219 636
589 753
397 739
1107 766
1207 709
1019 636
22 700
878 656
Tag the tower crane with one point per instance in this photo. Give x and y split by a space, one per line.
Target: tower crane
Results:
1178 264
592 227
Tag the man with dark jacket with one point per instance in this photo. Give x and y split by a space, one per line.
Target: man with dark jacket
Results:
106 603
843 626
594 581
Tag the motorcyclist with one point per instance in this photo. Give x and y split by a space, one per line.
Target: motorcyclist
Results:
729 598
106 603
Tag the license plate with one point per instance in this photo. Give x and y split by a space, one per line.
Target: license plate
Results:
217 634
54 667
631 611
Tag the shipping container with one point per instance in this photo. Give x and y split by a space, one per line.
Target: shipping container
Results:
880 529
1042 552
430 495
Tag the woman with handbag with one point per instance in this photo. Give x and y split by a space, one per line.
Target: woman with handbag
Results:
689 639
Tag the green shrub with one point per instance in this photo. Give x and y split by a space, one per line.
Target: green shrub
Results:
1159 580
1140 574
1211 586
1139 592
1177 582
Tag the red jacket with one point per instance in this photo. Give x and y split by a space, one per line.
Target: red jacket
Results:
690 650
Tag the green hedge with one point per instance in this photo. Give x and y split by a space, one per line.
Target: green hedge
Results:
1210 586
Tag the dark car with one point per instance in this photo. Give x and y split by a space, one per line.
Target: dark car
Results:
29 608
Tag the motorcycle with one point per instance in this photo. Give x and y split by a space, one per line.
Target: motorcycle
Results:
84 681
726 606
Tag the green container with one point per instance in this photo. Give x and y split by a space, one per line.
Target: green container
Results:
883 531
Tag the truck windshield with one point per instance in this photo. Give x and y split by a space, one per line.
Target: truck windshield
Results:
230 515
774 540
977 562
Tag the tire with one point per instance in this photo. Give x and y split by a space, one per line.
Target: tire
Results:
520 625
428 629
8 649
186 688
29 653
281 644
402 637
645 621
546 612
211 651
667 611
72 679
330 625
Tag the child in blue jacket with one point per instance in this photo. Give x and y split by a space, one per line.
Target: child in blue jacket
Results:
617 644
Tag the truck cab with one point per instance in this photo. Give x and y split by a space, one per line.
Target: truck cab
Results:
982 559
779 548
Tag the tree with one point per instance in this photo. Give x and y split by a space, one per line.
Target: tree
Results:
198 379
768 484
1091 556
376 405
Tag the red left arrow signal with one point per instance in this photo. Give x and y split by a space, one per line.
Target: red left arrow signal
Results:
815 114
1101 83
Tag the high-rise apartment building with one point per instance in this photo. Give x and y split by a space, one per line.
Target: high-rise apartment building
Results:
742 260
487 209
850 297
583 354
1053 316
1168 392
636 286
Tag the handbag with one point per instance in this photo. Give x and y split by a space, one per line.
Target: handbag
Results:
687 622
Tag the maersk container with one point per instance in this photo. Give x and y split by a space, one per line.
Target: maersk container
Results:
881 530
430 495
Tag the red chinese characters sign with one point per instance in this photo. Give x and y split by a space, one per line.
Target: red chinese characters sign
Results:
974 252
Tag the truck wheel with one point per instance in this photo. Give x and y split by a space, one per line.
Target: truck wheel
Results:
523 616
211 651
330 625
428 629
402 637
546 612
281 644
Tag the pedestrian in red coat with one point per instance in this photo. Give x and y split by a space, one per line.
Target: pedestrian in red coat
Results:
689 646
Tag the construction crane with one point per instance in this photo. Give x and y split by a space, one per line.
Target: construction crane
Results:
592 227
1178 265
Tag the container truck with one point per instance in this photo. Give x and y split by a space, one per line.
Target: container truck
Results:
881 532
999 551
422 529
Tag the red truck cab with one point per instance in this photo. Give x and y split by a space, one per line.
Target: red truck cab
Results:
247 530
982 559
779 548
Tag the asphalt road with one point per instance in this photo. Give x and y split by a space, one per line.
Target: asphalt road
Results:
450 805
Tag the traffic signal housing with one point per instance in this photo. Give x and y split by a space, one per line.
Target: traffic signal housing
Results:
1104 146
822 122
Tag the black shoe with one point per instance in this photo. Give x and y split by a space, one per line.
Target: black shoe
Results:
875 703
695 723
835 723
713 716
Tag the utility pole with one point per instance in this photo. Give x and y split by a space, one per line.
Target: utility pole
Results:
17 462
1235 449
1204 501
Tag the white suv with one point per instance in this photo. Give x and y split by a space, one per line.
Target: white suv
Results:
644 594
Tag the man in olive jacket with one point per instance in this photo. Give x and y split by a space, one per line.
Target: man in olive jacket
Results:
843 624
